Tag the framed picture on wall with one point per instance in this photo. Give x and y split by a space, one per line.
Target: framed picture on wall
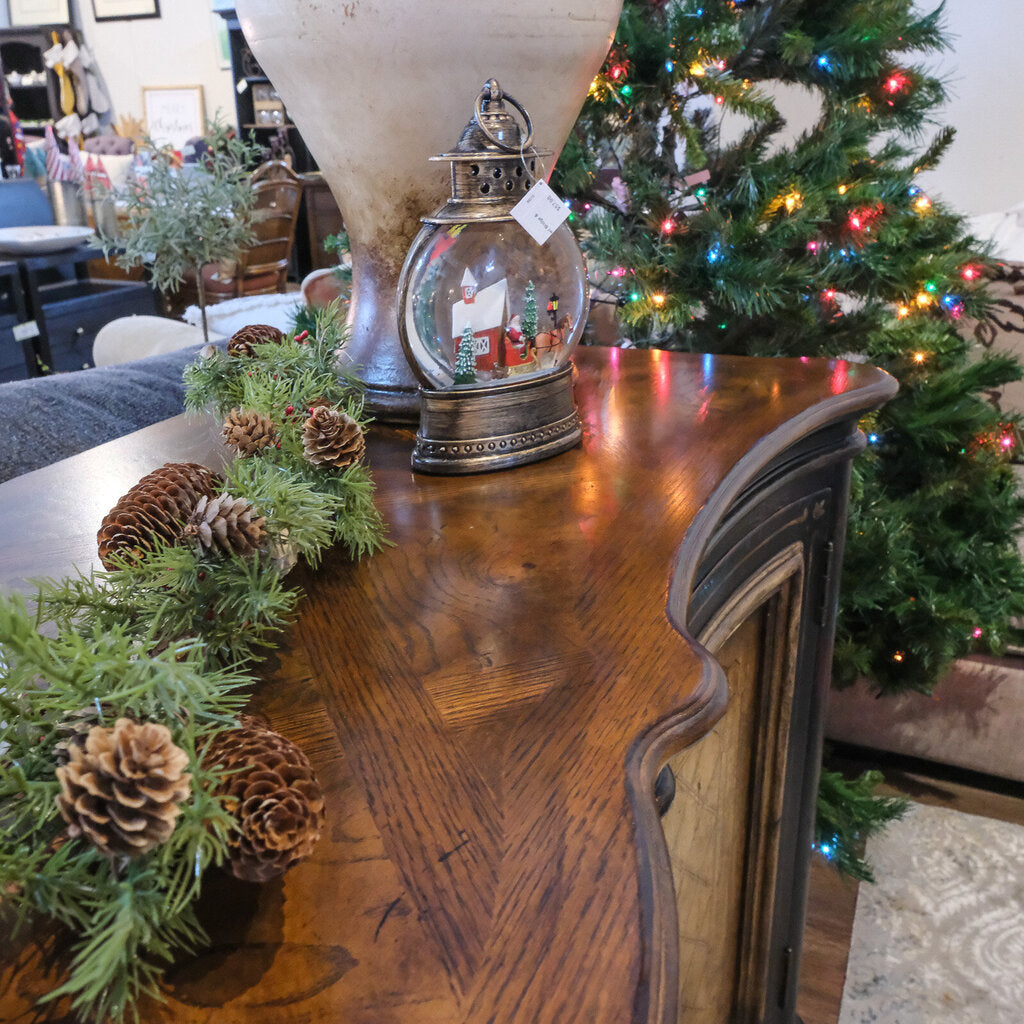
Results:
117 10
38 12
173 113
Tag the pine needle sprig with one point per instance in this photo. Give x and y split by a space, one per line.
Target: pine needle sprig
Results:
848 813
131 916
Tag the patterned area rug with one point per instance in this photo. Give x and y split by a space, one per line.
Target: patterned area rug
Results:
940 938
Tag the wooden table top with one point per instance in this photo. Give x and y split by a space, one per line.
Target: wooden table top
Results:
469 698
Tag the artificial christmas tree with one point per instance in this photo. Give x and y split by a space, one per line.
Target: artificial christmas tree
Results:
822 244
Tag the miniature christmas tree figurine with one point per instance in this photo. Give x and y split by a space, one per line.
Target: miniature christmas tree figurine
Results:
528 321
465 358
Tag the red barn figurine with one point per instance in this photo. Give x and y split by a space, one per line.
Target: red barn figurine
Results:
486 311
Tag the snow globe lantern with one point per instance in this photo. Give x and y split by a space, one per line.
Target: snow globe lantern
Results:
489 311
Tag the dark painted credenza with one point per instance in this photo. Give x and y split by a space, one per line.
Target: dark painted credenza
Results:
493 702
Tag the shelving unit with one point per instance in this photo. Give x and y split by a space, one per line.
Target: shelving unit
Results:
255 96
34 88
319 215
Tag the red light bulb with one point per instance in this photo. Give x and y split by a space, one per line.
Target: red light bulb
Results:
896 82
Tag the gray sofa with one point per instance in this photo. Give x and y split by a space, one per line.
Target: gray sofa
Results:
50 418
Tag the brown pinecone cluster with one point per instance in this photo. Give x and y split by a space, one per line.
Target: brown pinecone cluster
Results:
122 789
226 524
178 503
242 341
155 509
249 431
331 438
271 790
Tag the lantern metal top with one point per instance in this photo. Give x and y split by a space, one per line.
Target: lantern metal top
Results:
493 165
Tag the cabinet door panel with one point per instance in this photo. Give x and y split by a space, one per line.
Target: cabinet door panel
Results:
722 830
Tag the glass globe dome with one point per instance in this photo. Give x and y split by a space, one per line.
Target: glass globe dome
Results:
484 304
489 312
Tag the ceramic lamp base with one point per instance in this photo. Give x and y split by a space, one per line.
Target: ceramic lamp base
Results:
479 429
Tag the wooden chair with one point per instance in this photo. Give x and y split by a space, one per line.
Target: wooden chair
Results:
262 268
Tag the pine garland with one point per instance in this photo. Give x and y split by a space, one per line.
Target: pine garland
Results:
166 638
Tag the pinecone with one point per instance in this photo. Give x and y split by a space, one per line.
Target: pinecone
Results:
249 431
156 508
274 796
73 730
330 437
241 342
122 789
227 524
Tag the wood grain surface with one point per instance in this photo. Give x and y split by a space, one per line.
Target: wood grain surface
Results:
470 699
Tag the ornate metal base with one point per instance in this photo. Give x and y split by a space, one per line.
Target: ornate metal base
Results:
475 430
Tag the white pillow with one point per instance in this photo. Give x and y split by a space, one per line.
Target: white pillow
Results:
135 337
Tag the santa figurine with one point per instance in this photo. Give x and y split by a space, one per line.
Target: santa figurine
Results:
514 329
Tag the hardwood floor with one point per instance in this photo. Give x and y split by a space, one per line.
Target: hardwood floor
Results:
832 900
830 909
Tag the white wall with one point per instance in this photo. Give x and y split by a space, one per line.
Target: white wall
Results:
178 48
983 171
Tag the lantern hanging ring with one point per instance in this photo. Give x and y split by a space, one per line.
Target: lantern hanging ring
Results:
492 93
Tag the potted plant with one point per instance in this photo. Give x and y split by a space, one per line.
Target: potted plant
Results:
178 218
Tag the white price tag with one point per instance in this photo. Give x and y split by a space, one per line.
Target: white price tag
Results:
540 212
241 85
22 332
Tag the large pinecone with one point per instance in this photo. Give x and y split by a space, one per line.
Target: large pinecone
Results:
227 524
156 508
271 790
249 431
330 437
241 342
73 729
122 790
